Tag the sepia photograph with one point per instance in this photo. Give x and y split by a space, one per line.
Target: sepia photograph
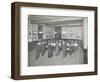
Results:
53 40
57 40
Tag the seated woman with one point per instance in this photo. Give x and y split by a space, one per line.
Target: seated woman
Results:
38 50
43 48
50 50
69 48
75 44
60 45
53 44
64 49
57 49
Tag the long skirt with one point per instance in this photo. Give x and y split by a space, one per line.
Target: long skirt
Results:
64 51
57 51
38 52
50 52
43 50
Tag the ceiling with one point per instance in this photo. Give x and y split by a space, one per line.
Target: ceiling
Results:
55 20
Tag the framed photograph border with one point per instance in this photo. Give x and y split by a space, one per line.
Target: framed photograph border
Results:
15 40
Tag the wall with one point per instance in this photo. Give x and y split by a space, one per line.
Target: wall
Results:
72 32
48 32
5 41
33 30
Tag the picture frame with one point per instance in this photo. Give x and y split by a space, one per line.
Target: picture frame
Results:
37 11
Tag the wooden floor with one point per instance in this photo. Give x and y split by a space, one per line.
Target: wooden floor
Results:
75 58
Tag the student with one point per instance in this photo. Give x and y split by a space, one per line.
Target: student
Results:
53 47
60 45
46 45
64 49
72 46
57 48
43 49
50 50
38 50
68 47
75 45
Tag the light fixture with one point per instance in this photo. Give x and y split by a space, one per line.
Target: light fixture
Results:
63 32
40 32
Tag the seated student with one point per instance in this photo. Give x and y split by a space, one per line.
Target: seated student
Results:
57 52
50 50
46 43
64 49
60 45
75 45
46 46
67 44
43 49
71 47
38 50
68 48
53 45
